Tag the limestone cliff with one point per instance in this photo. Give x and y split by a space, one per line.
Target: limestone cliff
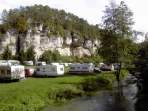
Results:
71 44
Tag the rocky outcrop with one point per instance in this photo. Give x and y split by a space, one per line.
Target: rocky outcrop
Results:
80 52
69 45
8 40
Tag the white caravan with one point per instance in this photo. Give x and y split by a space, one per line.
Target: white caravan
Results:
50 70
81 68
11 71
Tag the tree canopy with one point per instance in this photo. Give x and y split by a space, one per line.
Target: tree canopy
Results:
117 33
58 21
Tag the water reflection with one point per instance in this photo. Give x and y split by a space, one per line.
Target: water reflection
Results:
142 96
121 99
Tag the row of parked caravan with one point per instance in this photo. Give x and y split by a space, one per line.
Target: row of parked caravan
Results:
11 69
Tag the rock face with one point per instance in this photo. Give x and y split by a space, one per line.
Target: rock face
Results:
67 46
8 40
80 52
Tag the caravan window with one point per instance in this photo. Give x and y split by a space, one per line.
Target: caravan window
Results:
72 68
38 69
44 68
8 71
61 69
84 67
3 72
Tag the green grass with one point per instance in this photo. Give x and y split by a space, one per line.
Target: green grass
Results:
34 93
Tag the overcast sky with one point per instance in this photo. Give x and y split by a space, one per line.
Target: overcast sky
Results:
90 10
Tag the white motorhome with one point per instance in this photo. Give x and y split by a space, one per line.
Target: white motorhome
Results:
50 70
11 71
81 68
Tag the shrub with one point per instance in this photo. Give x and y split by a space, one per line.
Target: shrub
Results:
89 84
94 83
65 94
7 54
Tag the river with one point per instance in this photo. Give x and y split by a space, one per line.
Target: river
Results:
120 99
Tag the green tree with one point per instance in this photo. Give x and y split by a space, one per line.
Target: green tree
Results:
21 24
7 54
21 56
50 56
117 23
30 54
46 56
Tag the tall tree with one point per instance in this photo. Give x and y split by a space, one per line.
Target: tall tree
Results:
7 54
118 18
117 22
21 56
30 54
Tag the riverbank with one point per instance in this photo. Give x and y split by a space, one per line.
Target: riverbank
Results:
34 93
103 100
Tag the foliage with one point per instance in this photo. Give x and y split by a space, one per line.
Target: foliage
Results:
58 21
117 45
21 24
30 54
3 28
21 56
142 61
7 54
108 46
86 59
118 18
54 56
66 94
50 56
27 55
141 67
90 84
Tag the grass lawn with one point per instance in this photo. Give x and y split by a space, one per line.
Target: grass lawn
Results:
33 93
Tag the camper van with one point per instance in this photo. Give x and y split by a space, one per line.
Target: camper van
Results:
81 68
11 71
49 70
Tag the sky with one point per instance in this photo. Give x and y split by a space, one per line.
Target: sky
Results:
90 10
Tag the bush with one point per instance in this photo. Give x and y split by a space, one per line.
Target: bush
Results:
7 54
50 56
94 83
65 94
89 84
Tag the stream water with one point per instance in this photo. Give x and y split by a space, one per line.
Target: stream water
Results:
122 99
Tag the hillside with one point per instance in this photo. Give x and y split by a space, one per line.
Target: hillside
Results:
45 29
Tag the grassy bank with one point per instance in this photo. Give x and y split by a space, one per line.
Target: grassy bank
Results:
34 93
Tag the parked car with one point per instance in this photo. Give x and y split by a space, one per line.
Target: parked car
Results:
107 67
29 72
97 70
